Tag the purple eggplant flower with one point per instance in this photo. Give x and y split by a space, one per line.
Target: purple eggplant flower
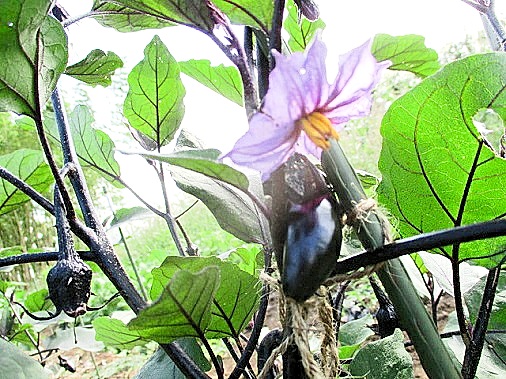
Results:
302 111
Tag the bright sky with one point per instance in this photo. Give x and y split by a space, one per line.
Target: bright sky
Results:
218 121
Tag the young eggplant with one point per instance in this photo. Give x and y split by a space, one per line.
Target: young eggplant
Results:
313 231
69 281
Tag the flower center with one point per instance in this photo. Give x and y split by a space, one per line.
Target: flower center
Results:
318 128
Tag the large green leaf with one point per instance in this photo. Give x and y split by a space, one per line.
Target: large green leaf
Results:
233 209
33 54
125 19
183 309
224 80
96 68
383 359
29 166
407 53
256 13
161 366
437 169
187 12
114 333
204 162
154 103
301 30
16 364
235 300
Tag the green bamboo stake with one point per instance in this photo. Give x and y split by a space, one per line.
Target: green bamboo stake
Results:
435 358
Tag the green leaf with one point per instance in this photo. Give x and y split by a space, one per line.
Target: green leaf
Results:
221 79
407 53
96 68
29 166
154 103
186 12
383 359
161 366
183 309
13 361
94 147
235 212
473 298
301 30
346 352
125 19
204 162
38 301
114 333
441 270
357 331
255 13
437 170
249 259
367 179
492 357
32 45
234 302
125 215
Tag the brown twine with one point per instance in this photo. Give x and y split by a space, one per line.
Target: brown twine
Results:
328 348
300 329
280 350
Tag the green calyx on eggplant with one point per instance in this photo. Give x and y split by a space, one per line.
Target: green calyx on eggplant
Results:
305 227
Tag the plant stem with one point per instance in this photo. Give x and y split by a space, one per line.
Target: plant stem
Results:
254 336
459 304
277 24
127 249
167 216
409 307
422 242
100 245
473 351
26 189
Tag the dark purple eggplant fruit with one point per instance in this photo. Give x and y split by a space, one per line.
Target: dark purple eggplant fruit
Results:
305 227
312 247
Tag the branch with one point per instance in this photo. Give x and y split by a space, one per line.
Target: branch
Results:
167 216
277 24
49 256
426 241
28 190
255 335
474 350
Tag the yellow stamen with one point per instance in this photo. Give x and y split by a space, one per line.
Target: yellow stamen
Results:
318 128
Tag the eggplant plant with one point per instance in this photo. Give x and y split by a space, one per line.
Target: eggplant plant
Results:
437 215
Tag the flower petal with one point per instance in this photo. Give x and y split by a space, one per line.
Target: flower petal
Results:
265 146
351 92
298 84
